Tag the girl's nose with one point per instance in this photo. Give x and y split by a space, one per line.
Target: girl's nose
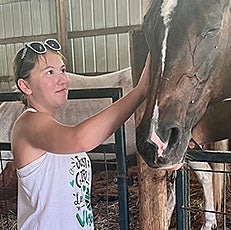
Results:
63 78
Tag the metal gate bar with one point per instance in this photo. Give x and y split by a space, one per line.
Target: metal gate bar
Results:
183 212
119 148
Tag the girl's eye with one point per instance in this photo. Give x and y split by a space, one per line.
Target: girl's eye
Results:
63 70
50 72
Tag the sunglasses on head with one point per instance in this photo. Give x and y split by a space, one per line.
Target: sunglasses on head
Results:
41 47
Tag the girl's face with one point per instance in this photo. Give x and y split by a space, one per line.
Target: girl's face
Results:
48 82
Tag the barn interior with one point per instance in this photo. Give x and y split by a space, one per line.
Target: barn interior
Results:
98 38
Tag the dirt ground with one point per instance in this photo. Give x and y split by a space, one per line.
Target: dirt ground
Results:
105 203
107 218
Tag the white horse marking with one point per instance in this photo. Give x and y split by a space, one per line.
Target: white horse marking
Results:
167 9
153 136
156 112
161 145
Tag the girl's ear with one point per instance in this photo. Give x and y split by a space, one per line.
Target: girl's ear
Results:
24 86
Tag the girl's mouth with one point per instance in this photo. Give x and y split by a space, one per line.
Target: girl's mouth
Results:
63 90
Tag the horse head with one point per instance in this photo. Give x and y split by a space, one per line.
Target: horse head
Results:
190 47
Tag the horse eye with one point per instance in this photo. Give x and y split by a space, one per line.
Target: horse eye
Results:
211 32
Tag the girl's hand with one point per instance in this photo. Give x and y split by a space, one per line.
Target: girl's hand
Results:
144 82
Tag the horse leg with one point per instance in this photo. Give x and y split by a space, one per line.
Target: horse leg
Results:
171 196
218 178
206 179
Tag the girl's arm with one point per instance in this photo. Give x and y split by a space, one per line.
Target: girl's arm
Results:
44 132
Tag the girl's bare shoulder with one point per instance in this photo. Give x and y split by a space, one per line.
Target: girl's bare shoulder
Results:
28 122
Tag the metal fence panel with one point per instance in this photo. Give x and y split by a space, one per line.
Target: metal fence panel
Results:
184 209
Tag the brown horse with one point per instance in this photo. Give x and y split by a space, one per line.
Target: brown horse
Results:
190 47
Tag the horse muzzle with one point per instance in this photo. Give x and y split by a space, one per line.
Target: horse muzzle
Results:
158 154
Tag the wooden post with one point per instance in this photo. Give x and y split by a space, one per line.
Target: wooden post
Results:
62 25
153 197
152 182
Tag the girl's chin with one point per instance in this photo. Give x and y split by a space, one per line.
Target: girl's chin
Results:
62 102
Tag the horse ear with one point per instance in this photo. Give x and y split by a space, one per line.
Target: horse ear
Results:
24 86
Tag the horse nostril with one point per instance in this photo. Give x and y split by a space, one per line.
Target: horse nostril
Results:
150 147
162 160
174 137
149 152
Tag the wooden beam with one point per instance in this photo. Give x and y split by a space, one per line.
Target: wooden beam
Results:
103 31
62 25
24 39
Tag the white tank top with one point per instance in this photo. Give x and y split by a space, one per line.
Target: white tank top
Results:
54 193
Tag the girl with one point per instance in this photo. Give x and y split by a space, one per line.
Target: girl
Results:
53 168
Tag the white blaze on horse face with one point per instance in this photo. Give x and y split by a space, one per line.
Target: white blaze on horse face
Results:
167 9
154 137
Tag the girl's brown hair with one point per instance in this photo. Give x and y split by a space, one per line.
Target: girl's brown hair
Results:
23 63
